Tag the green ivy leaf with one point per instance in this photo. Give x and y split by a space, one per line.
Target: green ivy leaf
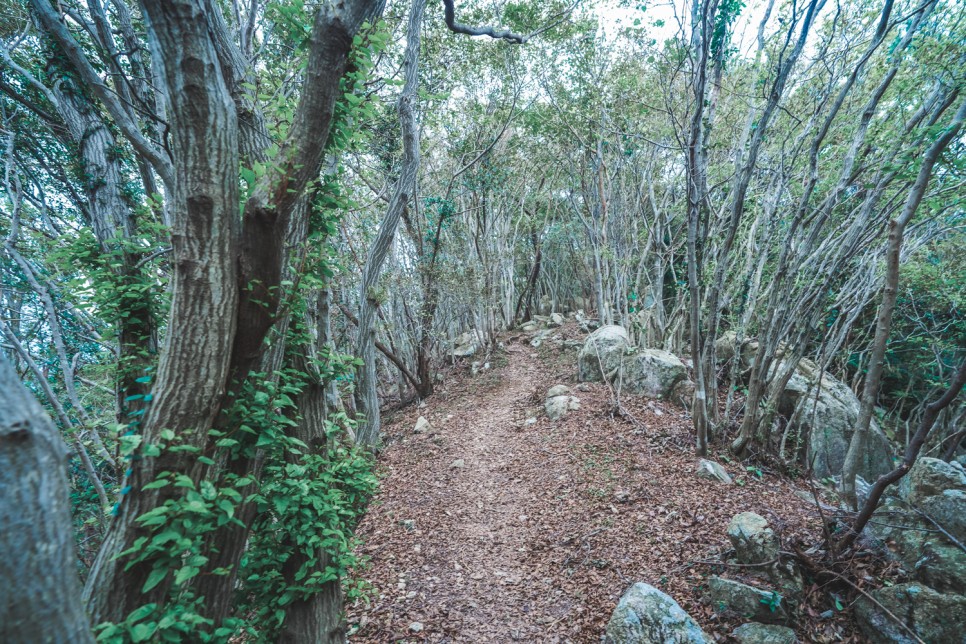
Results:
156 577
185 574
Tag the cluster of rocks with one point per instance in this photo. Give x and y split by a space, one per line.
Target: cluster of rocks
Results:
821 409
645 614
466 345
559 401
923 527
551 321
774 585
609 356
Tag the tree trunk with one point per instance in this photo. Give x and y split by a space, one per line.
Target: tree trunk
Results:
890 291
40 593
367 394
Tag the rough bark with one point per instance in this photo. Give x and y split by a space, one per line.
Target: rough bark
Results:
40 599
194 366
226 272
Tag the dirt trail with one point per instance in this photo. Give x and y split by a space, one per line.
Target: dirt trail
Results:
540 528
469 527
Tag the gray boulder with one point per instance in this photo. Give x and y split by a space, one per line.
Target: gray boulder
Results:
422 426
558 406
827 410
712 471
754 542
938 488
755 633
682 394
602 353
645 615
948 510
466 345
557 390
942 565
936 618
608 355
829 421
760 605
652 372
585 322
539 338
932 477
905 536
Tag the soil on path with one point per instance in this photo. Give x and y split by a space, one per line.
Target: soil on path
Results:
491 529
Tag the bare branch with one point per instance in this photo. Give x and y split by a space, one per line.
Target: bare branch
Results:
500 34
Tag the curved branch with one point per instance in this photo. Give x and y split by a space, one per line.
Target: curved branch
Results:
499 34
51 23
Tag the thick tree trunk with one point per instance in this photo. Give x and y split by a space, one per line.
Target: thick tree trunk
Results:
319 618
40 598
227 273
194 366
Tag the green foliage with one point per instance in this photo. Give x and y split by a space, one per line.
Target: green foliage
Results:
773 601
307 499
724 19
132 297
307 509
307 502
929 326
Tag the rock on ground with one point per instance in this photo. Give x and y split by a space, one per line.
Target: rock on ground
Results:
754 542
558 406
939 490
712 471
466 344
422 426
682 394
602 353
608 355
747 601
645 615
936 618
755 633
932 477
829 422
827 419
652 372
558 390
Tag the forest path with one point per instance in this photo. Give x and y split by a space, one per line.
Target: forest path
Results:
538 531
470 529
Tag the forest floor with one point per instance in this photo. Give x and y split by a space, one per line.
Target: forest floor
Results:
489 530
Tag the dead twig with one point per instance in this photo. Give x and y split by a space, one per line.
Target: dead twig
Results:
815 568
956 541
